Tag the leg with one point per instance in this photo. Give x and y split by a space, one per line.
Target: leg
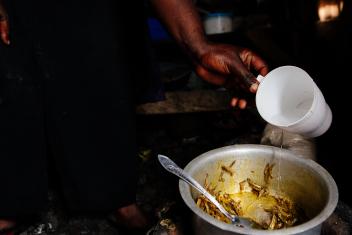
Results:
6 225
131 217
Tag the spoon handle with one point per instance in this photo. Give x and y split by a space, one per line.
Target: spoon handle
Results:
170 166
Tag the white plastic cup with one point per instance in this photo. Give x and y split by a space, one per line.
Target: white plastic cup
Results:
287 97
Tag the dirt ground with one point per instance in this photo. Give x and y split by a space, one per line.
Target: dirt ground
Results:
181 137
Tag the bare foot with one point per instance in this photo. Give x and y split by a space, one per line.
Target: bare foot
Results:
6 224
131 217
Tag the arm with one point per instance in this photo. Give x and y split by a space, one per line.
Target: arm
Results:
220 64
4 25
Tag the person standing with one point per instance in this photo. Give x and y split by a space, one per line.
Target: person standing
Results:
69 72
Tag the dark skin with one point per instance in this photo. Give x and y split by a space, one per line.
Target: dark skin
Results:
220 64
4 25
4 35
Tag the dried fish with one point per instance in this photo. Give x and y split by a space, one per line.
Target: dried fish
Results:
227 169
277 211
242 185
262 192
268 171
254 186
206 181
232 163
221 178
273 222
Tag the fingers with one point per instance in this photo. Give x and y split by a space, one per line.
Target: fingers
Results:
254 87
241 70
4 31
253 61
220 80
234 102
209 76
241 103
259 65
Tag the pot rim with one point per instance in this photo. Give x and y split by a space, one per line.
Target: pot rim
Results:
332 198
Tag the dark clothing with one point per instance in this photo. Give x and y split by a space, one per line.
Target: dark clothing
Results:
67 91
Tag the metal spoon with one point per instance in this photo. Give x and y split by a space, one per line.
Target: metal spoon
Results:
170 166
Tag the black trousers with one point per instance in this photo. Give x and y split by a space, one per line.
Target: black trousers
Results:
67 92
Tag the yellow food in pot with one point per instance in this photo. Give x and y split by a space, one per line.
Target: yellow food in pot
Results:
268 210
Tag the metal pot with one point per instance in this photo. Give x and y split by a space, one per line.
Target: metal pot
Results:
303 180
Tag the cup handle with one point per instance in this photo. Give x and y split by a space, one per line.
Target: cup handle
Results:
260 78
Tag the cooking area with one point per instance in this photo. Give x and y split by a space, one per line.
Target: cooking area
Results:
271 152
158 191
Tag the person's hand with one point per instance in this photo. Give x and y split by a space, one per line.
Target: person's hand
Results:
4 25
230 66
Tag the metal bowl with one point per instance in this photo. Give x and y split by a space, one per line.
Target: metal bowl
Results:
303 180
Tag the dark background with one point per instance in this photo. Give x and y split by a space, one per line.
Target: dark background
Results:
289 32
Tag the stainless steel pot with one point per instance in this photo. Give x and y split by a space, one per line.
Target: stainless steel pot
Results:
303 180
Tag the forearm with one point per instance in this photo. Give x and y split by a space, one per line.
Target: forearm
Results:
220 64
183 22
3 14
